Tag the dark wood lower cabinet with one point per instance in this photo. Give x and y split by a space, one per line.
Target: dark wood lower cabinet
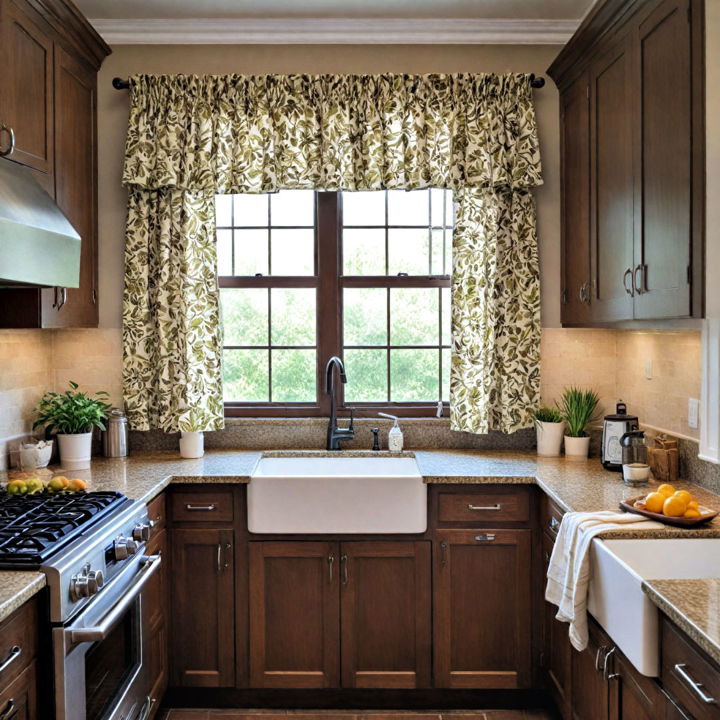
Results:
202 607
155 603
294 614
19 700
482 608
590 699
385 614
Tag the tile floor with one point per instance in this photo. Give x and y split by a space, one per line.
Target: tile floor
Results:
353 715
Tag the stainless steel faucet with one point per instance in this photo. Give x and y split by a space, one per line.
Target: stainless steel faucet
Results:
334 433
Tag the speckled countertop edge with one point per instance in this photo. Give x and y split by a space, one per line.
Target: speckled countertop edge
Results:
684 602
16 588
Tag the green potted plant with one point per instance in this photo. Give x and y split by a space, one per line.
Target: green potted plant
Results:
549 427
72 415
578 408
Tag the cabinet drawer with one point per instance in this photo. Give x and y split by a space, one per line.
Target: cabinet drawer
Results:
157 512
215 506
551 515
18 700
690 677
483 507
18 641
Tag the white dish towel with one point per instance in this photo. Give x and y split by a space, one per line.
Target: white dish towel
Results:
568 572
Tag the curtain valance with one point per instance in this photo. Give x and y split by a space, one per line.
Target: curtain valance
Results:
260 133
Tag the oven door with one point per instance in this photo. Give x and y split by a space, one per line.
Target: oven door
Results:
99 672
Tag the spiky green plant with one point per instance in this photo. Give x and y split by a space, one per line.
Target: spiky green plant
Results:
71 412
547 414
578 408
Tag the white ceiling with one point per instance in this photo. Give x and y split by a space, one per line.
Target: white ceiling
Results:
478 9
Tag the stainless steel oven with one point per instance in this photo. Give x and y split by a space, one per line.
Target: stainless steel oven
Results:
99 644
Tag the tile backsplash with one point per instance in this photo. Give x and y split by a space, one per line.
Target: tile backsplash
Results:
613 362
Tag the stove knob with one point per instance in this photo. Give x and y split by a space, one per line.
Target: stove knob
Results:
142 531
123 547
86 583
95 580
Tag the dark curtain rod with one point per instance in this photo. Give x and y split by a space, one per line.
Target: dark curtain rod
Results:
536 81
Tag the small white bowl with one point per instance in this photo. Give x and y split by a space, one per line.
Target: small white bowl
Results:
636 473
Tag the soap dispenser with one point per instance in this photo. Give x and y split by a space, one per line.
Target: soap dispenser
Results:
395 436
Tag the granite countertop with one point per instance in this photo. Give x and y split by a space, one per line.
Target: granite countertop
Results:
694 606
582 486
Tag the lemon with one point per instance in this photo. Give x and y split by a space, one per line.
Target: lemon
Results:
17 487
666 490
685 495
674 507
59 482
34 485
654 502
691 513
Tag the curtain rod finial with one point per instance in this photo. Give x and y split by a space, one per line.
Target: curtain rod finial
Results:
120 84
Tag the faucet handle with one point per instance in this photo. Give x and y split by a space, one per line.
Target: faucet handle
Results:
376 442
352 419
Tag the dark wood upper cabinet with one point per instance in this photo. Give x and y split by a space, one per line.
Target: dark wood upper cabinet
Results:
645 62
294 614
481 608
51 56
385 610
202 607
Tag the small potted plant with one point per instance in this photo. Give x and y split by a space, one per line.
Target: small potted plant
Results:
578 409
549 426
72 415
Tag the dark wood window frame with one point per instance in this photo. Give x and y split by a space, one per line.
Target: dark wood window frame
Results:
329 283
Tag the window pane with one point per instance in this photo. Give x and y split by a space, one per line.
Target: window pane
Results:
363 252
223 210
250 210
414 316
449 209
437 205
245 376
446 316
448 251
408 208
292 252
293 376
245 316
365 316
251 252
409 251
437 253
293 207
224 252
363 208
414 375
367 375
446 375
293 316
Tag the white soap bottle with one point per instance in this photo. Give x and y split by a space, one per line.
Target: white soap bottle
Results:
395 436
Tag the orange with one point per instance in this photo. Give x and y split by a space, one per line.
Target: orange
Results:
691 513
685 495
654 502
666 490
77 484
693 505
674 507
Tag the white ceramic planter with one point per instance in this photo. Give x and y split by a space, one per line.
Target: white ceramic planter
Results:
549 438
192 445
577 447
75 451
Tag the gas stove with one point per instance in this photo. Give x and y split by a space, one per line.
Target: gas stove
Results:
33 528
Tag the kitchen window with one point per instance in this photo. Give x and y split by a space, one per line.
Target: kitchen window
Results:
306 275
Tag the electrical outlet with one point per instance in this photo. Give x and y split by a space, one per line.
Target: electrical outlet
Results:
648 369
693 412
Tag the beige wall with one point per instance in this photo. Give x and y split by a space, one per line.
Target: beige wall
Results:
260 59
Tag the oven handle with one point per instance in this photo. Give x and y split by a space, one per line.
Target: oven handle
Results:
101 631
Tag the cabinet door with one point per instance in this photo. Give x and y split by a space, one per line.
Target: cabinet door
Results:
589 689
481 616
385 610
26 96
19 700
633 696
75 184
154 609
663 175
294 615
611 189
556 647
575 168
202 604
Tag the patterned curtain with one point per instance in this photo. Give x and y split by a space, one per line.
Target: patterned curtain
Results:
190 137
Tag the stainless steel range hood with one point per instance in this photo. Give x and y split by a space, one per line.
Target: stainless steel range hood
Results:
38 245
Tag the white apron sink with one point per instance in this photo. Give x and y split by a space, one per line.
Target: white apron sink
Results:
322 495
616 599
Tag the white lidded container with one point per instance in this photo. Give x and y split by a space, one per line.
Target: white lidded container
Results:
395 436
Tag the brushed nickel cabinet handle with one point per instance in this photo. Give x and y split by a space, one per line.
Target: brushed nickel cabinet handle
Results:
639 285
628 274
602 649
219 557
443 554
693 684
8 712
331 561
554 525
606 661
344 565
485 537
11 138
13 655
497 506
195 508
